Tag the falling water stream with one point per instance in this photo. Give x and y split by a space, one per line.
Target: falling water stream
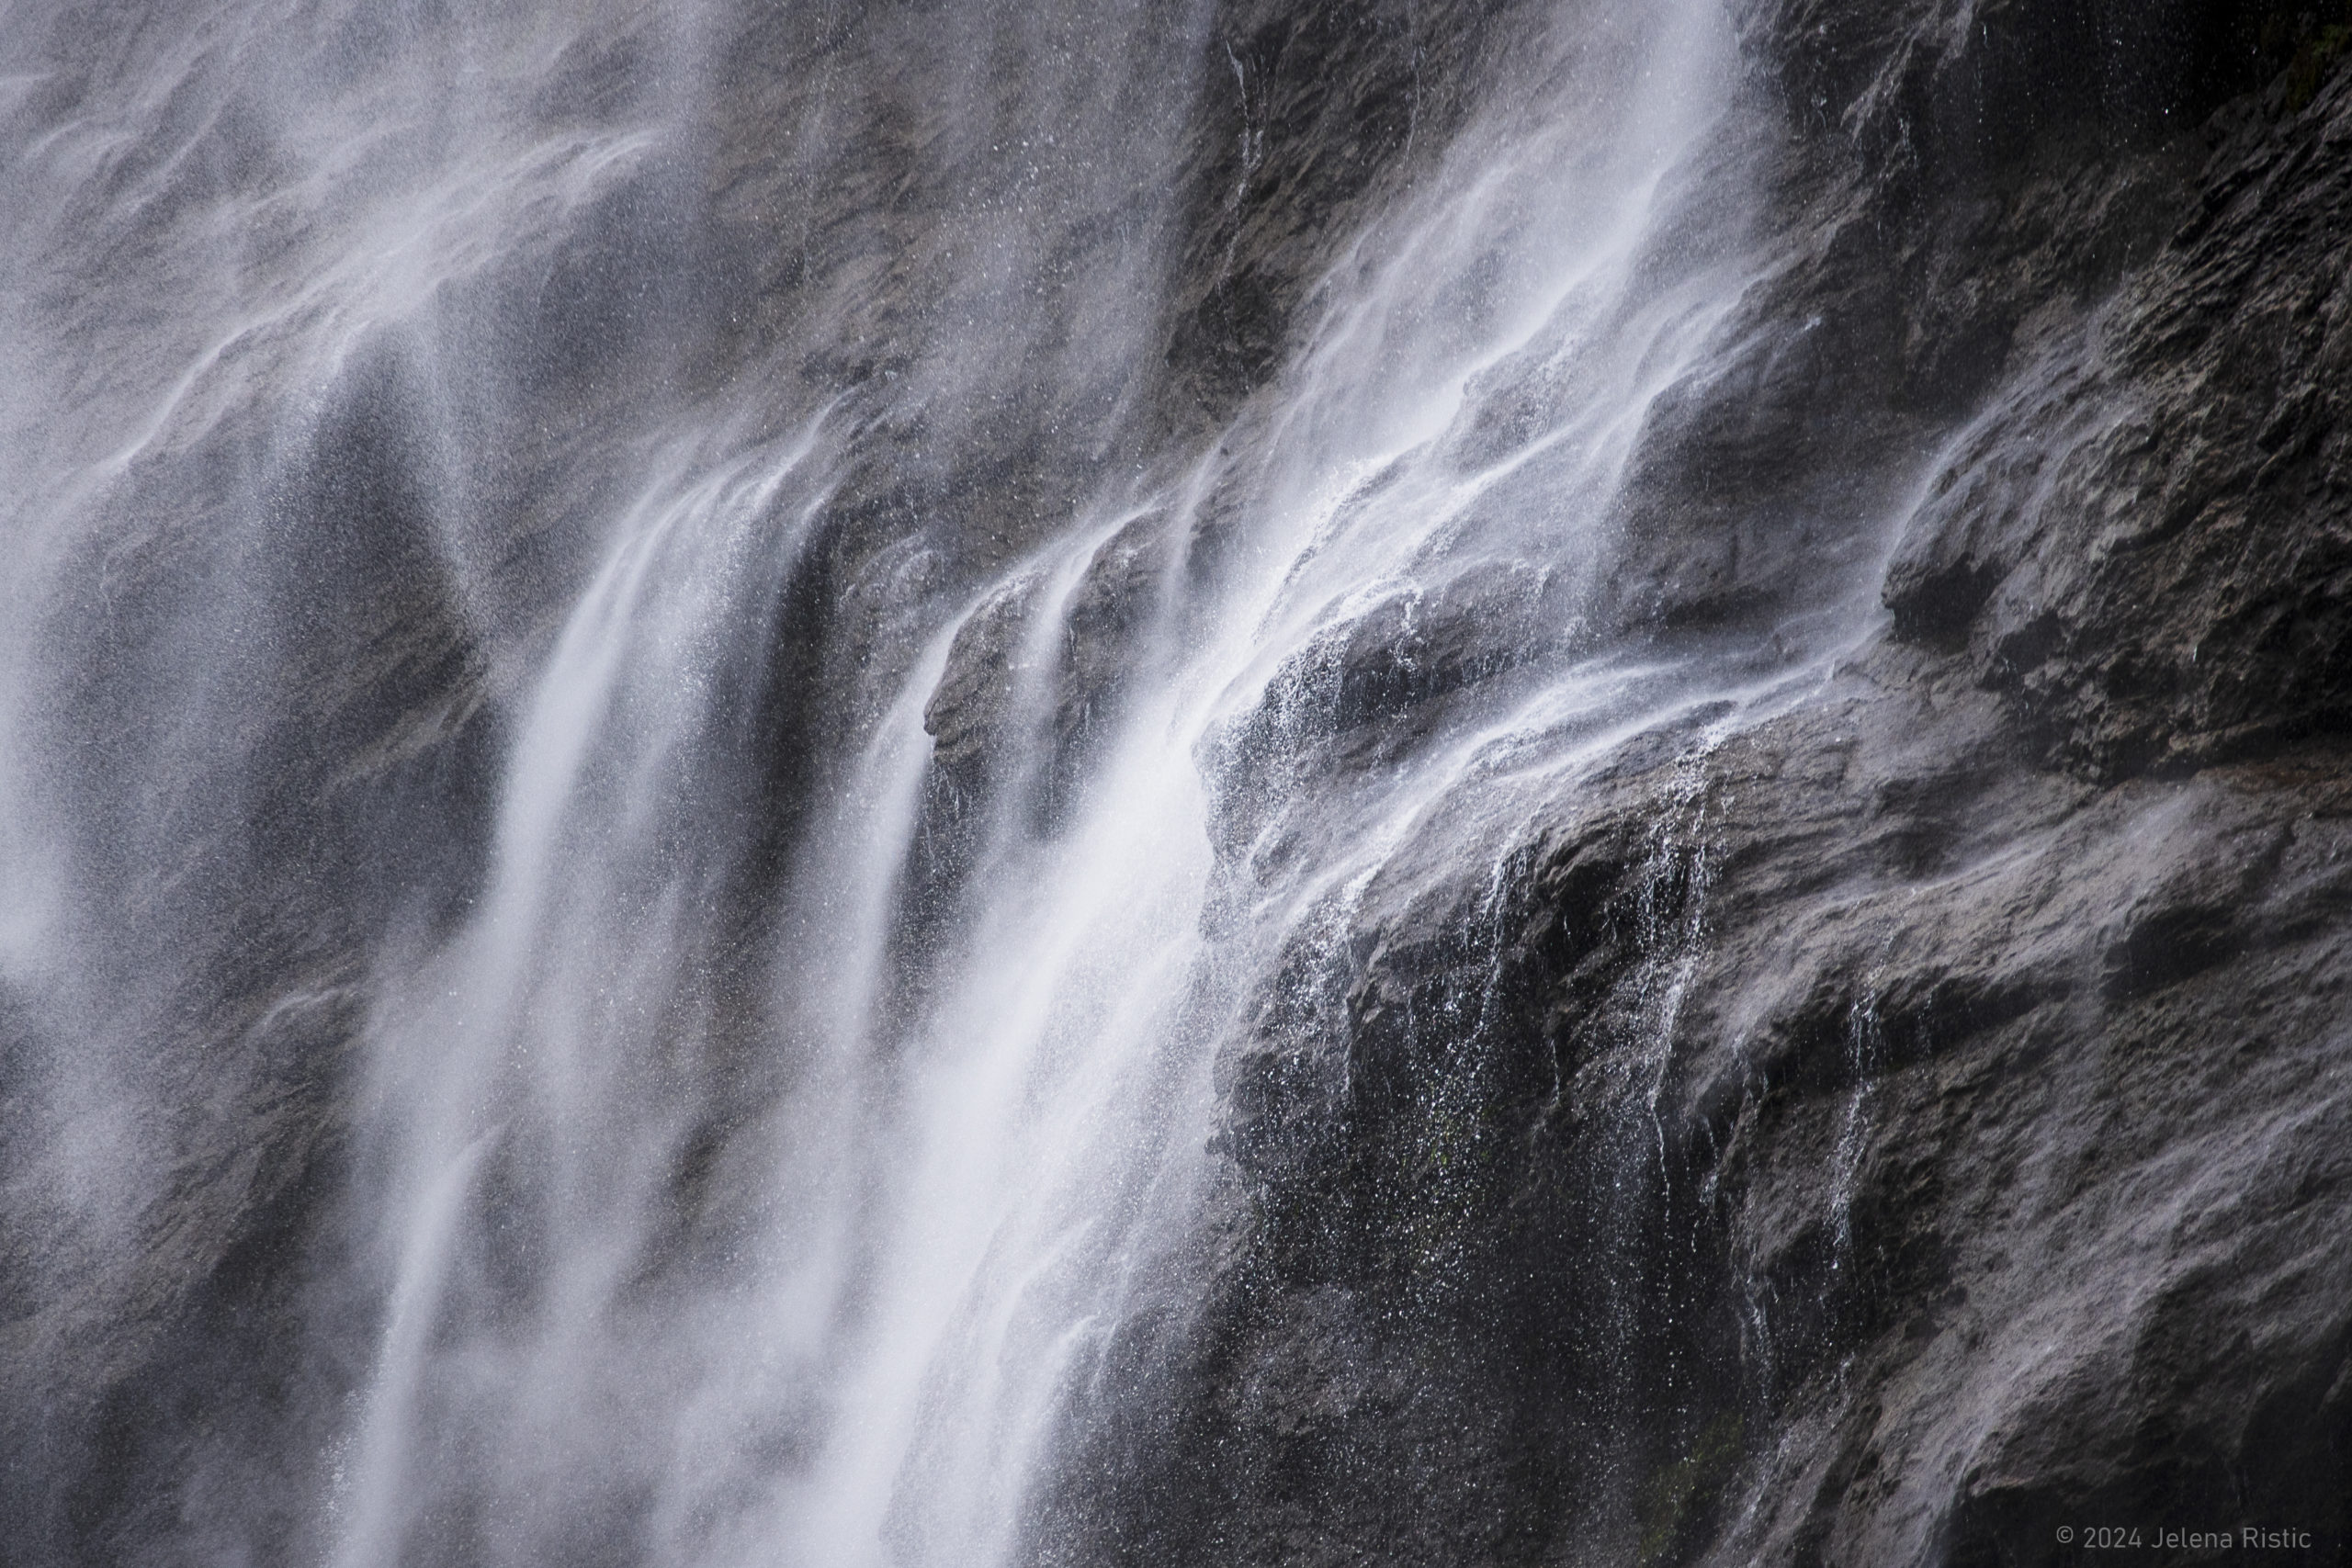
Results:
682 1236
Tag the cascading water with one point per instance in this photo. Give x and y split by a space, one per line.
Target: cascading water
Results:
707 705
943 1161
799 1264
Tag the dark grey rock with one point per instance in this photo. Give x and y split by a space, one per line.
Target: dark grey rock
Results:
1909 1125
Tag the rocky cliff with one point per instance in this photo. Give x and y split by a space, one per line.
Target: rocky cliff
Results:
1892 1105
1912 1126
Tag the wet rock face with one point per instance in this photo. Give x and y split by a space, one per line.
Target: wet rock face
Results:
2206 436
1309 113
1913 1125
1883 1136
1365 695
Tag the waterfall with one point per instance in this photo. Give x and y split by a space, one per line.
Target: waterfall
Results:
714 719
694 1234
704 1237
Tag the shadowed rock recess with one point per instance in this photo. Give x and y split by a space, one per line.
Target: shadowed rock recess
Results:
1734 948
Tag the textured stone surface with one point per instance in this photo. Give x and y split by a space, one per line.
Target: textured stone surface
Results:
1878 1136
1910 1125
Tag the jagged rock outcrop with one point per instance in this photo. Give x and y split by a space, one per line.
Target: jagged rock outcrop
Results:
1910 1126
